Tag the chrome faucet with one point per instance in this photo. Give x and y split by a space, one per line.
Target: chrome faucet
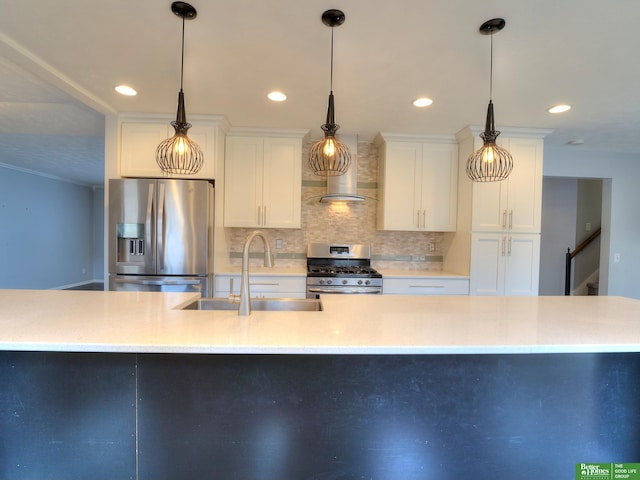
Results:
244 308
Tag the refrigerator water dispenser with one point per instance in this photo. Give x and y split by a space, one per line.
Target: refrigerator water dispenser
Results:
130 243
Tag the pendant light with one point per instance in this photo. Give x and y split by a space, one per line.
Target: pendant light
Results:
179 154
490 163
330 157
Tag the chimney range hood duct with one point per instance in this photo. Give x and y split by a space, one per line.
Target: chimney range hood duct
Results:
344 188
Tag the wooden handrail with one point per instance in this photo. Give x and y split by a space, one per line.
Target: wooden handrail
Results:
586 242
569 256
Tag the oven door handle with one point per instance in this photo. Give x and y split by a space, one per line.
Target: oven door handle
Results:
343 290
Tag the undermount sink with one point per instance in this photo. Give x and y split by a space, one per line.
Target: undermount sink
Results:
262 304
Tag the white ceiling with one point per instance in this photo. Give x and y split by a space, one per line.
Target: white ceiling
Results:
59 62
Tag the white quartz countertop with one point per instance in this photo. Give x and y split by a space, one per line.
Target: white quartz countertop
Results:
144 322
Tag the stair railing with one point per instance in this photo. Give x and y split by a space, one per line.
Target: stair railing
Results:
570 255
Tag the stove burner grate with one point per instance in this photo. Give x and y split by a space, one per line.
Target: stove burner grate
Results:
338 270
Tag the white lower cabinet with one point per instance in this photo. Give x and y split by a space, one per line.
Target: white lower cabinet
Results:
262 286
504 264
425 286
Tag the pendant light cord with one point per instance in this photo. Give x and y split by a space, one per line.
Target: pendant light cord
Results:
331 74
491 70
182 55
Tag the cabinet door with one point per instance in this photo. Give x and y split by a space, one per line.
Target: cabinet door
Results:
525 186
489 206
522 265
282 183
243 182
504 264
139 141
401 184
138 148
439 189
487 268
513 204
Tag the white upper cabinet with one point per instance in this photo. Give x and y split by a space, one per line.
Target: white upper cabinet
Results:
263 181
417 183
514 204
140 135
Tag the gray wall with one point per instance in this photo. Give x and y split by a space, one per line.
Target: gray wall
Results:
49 231
621 201
559 207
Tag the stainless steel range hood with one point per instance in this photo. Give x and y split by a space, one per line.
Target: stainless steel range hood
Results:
344 188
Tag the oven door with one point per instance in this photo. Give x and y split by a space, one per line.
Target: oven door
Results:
314 291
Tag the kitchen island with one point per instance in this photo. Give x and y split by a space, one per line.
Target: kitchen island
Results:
128 385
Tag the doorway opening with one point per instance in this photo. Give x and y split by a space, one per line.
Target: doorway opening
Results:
572 210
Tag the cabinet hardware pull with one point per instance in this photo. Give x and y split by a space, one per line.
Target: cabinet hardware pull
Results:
418 219
503 240
259 215
509 247
504 219
264 216
510 219
424 219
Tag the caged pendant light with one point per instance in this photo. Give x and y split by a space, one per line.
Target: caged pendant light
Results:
179 154
490 163
330 157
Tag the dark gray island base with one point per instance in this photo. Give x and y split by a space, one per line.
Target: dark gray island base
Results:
293 417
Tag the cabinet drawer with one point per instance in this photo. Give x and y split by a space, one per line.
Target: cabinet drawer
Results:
426 286
263 285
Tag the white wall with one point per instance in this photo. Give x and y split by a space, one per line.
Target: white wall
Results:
47 231
620 218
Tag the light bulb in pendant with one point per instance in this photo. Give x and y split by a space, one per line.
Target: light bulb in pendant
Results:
489 155
329 147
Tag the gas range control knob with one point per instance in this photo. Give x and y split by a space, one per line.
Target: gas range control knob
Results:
359 282
329 282
321 282
368 282
344 282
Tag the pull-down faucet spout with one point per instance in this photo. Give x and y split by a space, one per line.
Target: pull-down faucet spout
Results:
244 308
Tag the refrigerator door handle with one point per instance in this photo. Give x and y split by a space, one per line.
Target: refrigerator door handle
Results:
148 233
161 227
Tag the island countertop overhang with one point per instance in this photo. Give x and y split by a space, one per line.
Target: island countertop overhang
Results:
145 322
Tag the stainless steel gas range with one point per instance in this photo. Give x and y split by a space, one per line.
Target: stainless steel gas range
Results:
341 268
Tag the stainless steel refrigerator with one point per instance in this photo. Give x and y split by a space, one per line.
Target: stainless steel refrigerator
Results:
161 235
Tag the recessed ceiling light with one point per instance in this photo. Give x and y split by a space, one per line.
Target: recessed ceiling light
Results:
126 90
422 102
559 108
276 96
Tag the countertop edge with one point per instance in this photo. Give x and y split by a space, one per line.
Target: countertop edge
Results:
323 350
